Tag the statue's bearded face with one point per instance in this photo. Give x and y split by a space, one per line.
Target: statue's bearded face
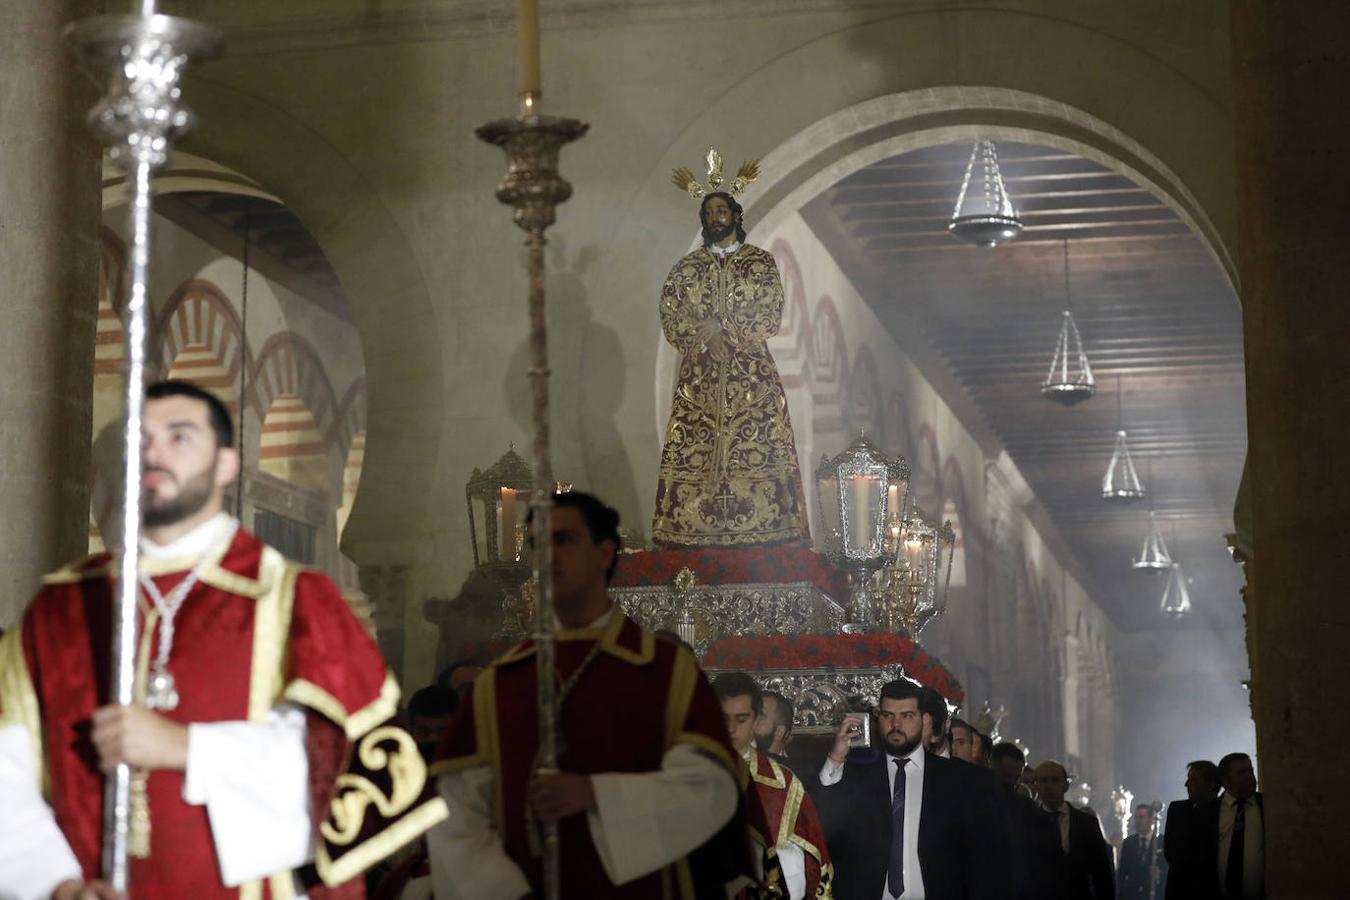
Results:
719 220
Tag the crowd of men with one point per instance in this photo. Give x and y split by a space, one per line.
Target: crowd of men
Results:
910 802
262 702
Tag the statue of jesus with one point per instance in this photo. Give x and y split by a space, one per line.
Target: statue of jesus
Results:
729 473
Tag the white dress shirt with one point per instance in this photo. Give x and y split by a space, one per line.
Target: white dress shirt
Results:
724 252
1253 845
642 821
831 773
252 777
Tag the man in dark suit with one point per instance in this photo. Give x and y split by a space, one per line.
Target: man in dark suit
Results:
1202 785
1084 865
903 823
1033 836
1142 866
1227 846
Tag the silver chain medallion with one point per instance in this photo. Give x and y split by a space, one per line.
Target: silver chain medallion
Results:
161 693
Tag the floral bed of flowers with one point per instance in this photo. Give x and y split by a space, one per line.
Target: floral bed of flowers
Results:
775 564
848 651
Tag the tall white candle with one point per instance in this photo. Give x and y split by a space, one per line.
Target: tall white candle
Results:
529 46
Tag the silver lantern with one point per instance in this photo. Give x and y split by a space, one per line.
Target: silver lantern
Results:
861 491
915 582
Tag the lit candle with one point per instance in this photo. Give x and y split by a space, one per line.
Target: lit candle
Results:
529 50
865 493
508 543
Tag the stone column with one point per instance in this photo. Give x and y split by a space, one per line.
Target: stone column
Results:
1291 77
49 225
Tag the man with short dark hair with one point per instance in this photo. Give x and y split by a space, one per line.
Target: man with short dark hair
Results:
647 775
983 747
903 822
258 684
963 741
1142 867
1007 762
1202 785
1228 836
936 736
795 831
1084 867
429 714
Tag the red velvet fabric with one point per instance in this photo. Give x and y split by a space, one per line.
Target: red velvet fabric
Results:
614 721
844 651
66 635
806 825
776 564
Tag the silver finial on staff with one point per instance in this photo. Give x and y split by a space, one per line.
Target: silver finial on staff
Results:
534 188
142 56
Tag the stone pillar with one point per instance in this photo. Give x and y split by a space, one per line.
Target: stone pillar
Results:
50 215
1291 76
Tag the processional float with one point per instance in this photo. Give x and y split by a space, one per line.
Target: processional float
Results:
142 56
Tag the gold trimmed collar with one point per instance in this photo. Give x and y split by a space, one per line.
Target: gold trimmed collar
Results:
213 573
775 779
609 638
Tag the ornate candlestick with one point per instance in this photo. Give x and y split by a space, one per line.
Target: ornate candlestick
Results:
143 57
534 189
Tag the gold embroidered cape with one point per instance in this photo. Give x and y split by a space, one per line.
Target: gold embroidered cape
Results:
729 474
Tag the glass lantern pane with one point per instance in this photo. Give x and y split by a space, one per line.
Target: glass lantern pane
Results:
827 496
862 501
514 506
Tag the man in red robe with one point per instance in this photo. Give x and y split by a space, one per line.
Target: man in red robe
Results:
254 684
795 830
647 775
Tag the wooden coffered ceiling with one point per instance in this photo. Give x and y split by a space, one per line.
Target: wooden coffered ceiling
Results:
1155 312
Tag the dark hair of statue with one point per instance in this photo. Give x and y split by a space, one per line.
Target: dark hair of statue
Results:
601 521
1008 750
736 211
739 684
217 413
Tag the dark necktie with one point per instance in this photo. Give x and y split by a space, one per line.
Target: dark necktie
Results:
1232 880
895 872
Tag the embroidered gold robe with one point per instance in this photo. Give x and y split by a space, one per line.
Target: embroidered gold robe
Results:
729 473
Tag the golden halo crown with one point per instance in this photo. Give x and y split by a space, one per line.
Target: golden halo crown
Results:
685 180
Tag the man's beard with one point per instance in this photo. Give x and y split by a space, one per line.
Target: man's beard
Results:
713 234
764 742
194 494
906 747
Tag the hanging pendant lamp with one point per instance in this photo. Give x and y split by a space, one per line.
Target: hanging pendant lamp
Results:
1176 598
1153 558
1070 378
984 213
1121 482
